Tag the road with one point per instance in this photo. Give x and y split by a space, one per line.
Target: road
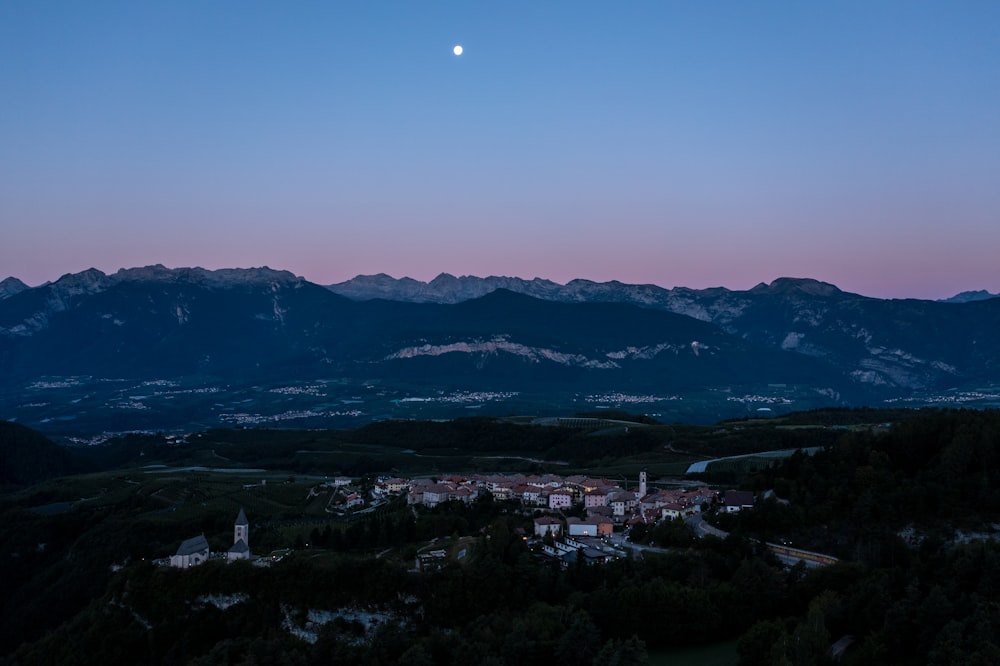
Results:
788 555
702 529
618 540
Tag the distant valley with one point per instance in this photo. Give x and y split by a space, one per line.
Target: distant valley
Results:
176 349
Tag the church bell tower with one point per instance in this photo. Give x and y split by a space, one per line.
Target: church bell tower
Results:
241 530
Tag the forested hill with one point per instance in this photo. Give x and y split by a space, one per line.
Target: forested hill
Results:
927 476
909 508
27 456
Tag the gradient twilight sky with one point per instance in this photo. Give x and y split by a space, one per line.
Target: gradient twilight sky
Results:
677 143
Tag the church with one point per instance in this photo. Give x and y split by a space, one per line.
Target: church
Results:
191 553
195 551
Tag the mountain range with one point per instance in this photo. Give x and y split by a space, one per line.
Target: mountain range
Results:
447 288
906 344
798 337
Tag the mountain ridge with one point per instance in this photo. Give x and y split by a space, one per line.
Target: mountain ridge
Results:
266 327
445 287
967 296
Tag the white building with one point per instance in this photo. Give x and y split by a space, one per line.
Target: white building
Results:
191 553
578 527
547 525
436 494
340 481
595 498
559 499
736 500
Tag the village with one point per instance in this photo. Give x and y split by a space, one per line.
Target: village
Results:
574 517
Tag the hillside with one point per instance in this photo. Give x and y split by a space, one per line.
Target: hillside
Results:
909 589
27 456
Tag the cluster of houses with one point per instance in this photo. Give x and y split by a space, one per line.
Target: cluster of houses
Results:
606 503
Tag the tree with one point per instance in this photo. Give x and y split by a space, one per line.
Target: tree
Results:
754 647
578 644
630 652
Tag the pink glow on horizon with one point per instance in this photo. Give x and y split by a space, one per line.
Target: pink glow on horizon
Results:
663 143
938 277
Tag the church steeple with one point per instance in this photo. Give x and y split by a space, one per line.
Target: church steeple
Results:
241 529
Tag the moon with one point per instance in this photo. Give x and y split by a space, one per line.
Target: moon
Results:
458 49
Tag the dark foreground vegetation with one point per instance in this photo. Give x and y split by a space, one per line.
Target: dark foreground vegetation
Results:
910 510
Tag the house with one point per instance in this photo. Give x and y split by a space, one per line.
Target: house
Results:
387 486
431 561
622 503
597 497
672 510
565 554
581 527
737 500
415 496
502 491
544 481
434 495
591 553
191 553
528 495
595 556
561 498
353 500
396 486
600 512
703 495
605 526
547 525
590 485
656 500
339 482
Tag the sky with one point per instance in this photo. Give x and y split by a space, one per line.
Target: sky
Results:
676 143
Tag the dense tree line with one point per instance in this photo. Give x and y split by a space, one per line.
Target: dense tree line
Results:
927 598
27 456
935 473
504 605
